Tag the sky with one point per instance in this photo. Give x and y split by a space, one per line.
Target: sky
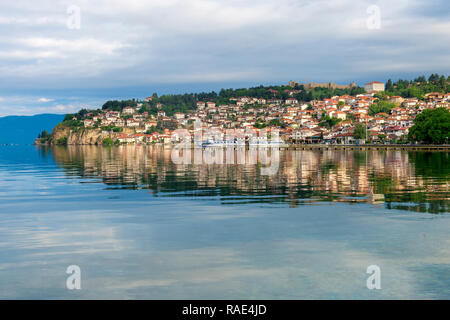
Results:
58 56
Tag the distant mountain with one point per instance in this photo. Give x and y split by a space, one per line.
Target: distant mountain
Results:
24 129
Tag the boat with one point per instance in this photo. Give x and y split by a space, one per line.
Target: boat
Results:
224 143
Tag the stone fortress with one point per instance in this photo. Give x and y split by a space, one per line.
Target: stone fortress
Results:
329 85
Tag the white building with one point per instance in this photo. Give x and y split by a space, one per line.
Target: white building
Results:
291 101
374 86
128 110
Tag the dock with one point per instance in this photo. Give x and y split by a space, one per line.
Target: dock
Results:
365 147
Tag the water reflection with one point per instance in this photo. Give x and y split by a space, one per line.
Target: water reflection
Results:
140 226
414 181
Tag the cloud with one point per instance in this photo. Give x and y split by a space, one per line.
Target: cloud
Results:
145 43
76 45
45 100
30 105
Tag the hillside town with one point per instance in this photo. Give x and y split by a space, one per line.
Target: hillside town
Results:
341 119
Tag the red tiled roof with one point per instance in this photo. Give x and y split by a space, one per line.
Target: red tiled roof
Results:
372 82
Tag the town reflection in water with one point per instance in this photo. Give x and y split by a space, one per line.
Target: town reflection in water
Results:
414 181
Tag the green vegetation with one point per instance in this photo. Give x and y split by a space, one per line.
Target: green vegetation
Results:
325 93
112 128
107 142
277 123
62 141
171 125
44 136
431 126
431 164
72 121
259 125
360 131
119 105
152 130
184 103
329 122
381 106
418 87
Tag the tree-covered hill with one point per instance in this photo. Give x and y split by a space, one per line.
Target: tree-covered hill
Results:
418 87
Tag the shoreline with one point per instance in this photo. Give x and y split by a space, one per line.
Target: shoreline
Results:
295 146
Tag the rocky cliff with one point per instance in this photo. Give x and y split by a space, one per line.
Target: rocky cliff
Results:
80 136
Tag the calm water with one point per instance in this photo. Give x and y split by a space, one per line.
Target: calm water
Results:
140 226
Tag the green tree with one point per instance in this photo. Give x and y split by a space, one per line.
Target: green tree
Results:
381 106
62 141
389 85
443 83
44 135
107 142
420 79
433 77
329 122
360 131
431 126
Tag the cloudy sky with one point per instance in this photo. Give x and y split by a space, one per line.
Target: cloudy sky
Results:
59 56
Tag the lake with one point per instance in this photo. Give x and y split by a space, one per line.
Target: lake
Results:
141 226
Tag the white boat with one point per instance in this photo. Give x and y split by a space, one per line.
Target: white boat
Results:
222 144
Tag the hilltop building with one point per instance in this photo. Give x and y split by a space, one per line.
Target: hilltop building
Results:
374 86
329 85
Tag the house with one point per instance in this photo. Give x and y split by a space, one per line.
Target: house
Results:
340 115
302 134
291 101
396 99
291 111
105 123
261 101
132 123
179 115
128 110
88 123
149 124
125 138
374 86
303 107
275 101
119 122
410 102
379 120
344 138
396 131
138 137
